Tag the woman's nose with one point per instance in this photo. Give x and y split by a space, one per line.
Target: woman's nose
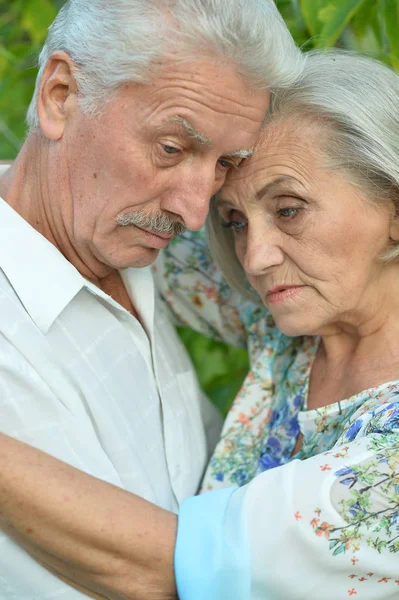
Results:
262 252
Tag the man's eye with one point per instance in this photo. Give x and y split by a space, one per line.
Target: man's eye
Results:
170 149
226 164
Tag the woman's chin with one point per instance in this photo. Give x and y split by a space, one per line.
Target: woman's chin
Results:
295 325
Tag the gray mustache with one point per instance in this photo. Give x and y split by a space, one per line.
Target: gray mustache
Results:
154 222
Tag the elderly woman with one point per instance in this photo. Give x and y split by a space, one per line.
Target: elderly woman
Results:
311 221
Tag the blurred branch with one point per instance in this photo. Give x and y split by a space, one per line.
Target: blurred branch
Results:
11 138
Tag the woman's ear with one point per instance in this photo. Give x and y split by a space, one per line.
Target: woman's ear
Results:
57 94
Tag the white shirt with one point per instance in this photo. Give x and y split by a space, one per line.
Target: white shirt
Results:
81 379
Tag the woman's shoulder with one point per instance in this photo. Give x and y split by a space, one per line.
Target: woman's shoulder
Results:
378 414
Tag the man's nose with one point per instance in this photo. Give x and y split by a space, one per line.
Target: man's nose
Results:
262 251
190 197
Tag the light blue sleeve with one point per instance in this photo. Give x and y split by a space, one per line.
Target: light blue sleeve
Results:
325 527
212 556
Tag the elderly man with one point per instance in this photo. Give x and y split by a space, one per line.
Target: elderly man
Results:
140 109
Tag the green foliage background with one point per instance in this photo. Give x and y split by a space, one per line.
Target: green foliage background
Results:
368 26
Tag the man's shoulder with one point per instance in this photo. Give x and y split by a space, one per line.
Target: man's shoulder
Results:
8 296
14 318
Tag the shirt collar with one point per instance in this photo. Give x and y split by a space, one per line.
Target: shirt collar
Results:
40 275
46 282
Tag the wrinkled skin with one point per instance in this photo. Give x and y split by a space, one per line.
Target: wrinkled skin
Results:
84 171
297 222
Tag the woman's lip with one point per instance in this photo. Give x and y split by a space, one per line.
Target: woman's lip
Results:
281 288
280 293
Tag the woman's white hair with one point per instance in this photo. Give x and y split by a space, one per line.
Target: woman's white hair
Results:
355 100
113 42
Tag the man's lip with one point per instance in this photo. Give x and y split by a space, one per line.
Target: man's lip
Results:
160 235
281 288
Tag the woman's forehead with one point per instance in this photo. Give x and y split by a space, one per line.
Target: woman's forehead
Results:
291 130
283 151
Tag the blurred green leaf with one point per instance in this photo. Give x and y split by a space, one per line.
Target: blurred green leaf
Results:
221 369
334 17
310 11
368 17
7 57
391 13
36 17
326 19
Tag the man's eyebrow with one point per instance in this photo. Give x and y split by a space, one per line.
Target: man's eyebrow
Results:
247 153
190 130
204 140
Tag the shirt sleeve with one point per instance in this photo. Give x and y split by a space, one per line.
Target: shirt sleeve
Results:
326 527
197 294
32 413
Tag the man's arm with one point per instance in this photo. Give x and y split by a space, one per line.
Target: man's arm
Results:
95 534
233 544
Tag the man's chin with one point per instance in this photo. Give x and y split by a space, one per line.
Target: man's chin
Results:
144 261
143 257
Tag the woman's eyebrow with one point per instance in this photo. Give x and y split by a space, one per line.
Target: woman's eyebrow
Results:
223 202
270 187
266 189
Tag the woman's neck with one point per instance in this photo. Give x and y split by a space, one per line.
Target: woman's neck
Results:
351 359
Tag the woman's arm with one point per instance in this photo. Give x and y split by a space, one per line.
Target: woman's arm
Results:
325 526
95 534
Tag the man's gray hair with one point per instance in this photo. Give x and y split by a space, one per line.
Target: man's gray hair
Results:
355 102
114 42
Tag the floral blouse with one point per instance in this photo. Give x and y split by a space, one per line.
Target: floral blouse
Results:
320 524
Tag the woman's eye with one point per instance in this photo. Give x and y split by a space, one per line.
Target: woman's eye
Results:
286 213
236 226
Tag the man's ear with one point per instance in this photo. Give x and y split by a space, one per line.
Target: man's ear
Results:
57 95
